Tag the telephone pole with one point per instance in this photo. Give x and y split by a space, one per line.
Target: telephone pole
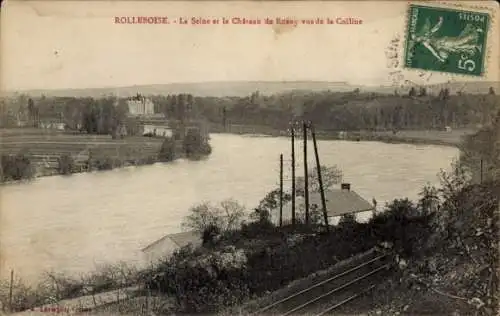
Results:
293 175
306 178
224 118
481 171
281 190
320 180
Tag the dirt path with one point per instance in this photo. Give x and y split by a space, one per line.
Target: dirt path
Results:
83 303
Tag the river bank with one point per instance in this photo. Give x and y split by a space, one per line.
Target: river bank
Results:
28 155
450 138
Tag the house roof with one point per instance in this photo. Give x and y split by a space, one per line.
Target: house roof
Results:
180 239
340 202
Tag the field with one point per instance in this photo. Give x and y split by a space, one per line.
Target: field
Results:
44 147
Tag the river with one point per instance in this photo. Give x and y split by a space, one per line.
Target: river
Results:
74 223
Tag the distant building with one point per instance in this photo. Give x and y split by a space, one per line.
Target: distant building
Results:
140 105
165 246
157 130
52 125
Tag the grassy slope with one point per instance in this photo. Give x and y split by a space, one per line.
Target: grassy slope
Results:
44 147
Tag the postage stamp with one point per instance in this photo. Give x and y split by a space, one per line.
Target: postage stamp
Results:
446 40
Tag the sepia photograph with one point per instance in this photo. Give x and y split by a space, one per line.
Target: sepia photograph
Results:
249 158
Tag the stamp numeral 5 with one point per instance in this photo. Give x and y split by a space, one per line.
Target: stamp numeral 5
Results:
466 64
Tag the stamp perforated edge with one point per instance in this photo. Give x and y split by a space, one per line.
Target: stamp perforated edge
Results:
458 6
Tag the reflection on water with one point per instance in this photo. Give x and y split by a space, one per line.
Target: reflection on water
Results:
74 223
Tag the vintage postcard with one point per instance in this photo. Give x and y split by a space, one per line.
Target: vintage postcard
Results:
249 157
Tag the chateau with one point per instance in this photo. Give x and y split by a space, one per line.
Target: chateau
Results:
140 105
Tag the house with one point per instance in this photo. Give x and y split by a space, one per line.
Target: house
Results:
157 130
338 202
140 105
166 245
341 202
52 125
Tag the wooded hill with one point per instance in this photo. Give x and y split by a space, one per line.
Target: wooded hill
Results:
416 108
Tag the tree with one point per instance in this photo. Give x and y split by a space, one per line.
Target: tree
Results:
66 164
195 144
226 215
412 92
167 151
268 205
330 175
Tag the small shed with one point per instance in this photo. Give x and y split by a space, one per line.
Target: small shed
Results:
165 246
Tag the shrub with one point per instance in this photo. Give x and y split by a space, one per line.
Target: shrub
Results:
103 163
403 225
167 150
195 145
16 167
257 229
210 234
202 282
66 164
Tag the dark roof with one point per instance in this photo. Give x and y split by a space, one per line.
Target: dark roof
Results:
180 239
340 202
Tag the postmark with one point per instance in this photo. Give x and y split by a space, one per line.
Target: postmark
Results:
446 40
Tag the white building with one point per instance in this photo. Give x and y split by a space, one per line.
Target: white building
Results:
140 106
53 125
157 130
166 246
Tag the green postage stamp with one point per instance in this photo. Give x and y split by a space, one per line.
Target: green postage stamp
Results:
446 40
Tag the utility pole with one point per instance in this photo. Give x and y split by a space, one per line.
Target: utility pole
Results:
481 171
293 175
320 180
10 289
224 118
306 179
281 190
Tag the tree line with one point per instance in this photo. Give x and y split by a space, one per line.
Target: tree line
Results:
355 110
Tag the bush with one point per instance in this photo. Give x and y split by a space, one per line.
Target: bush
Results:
167 150
227 215
202 282
210 234
66 164
403 225
16 167
56 286
195 145
258 229
106 163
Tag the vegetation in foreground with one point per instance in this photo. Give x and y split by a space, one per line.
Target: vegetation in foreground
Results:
447 244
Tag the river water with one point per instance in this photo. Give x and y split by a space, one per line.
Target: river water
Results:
74 223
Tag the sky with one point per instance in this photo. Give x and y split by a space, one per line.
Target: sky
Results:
63 44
